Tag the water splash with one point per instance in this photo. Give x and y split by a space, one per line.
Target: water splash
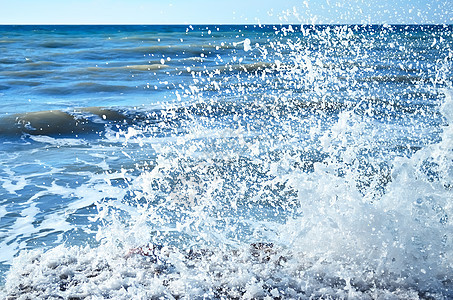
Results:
323 171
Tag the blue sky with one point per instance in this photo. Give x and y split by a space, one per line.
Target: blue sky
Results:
225 12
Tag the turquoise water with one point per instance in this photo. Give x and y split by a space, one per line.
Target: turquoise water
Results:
226 161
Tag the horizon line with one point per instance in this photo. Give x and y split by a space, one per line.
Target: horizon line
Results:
222 24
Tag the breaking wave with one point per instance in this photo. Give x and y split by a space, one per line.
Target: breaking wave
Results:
313 172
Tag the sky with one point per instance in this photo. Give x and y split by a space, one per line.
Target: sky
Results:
226 12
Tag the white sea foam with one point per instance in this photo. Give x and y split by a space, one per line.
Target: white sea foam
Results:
13 185
342 244
57 141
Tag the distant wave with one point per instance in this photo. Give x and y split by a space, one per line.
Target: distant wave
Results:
149 67
88 120
57 122
85 87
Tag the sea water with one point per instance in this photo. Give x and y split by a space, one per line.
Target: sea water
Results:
226 162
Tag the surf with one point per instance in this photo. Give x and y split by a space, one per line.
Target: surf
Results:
295 167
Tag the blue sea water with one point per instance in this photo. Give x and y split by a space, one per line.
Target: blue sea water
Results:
226 161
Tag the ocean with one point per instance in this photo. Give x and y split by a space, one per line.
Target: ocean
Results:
226 162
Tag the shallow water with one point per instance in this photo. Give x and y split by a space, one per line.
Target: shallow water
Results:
226 161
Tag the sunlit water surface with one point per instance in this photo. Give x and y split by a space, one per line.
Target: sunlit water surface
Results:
226 161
